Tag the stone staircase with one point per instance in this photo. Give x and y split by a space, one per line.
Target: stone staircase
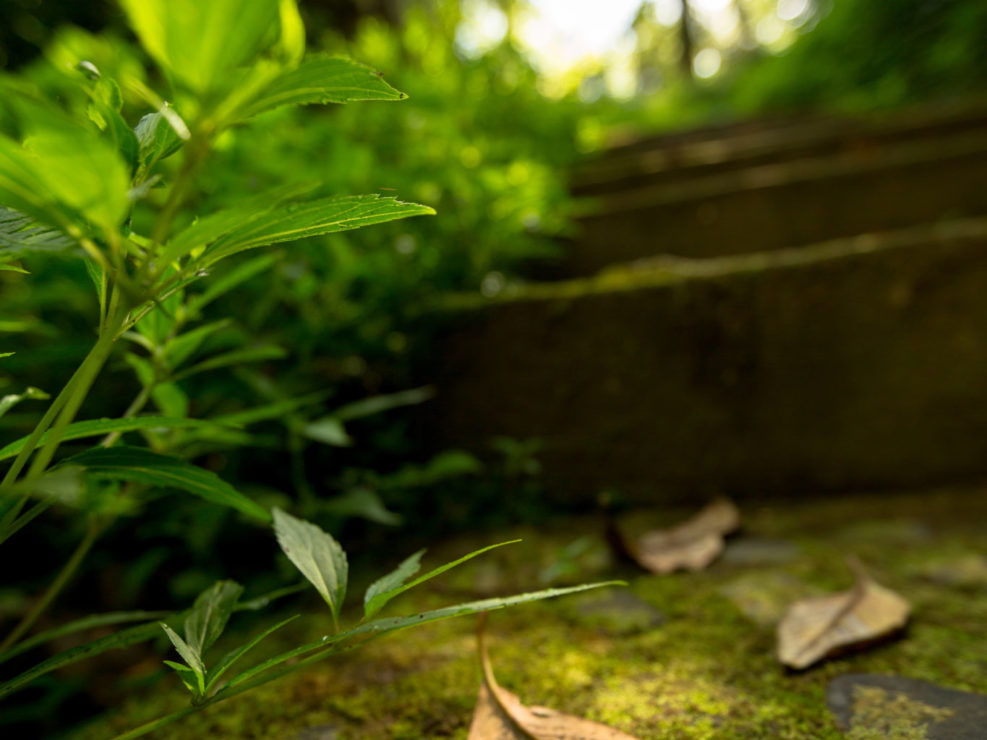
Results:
778 307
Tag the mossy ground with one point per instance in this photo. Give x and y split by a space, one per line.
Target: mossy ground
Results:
707 671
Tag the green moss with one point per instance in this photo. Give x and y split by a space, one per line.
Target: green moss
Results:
707 671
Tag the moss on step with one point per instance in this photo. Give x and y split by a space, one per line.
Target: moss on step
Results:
707 671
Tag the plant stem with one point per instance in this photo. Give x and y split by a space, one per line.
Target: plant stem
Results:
61 411
93 531
135 406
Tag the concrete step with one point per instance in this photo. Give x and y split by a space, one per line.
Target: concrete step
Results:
860 362
680 156
786 204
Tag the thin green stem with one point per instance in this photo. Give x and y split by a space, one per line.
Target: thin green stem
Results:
135 406
87 375
93 530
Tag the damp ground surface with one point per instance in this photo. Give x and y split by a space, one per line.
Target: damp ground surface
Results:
686 656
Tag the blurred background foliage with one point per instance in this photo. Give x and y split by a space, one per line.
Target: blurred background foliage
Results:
502 105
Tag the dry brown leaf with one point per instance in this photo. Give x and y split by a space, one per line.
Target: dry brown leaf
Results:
819 628
692 545
500 715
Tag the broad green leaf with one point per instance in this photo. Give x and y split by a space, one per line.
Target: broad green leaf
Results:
379 404
99 427
150 468
380 627
391 586
62 171
316 554
7 354
211 611
234 655
191 658
320 79
206 230
19 233
8 402
328 430
202 43
5 266
311 218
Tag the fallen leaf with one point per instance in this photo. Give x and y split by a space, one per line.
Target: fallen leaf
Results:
819 628
500 715
692 545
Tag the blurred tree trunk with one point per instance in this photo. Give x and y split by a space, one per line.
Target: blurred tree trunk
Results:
686 42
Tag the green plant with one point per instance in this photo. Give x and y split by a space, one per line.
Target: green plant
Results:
76 177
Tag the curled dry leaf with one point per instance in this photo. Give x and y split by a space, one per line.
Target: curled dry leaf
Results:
692 545
819 628
500 715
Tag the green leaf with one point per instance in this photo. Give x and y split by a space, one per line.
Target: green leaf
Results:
118 640
208 229
178 349
211 611
158 138
235 357
78 625
378 404
380 627
98 277
201 43
8 402
269 411
62 172
320 79
316 554
4 266
191 658
225 283
99 427
104 111
362 502
292 42
234 655
188 676
311 218
328 430
19 233
393 580
390 586
150 468
122 639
